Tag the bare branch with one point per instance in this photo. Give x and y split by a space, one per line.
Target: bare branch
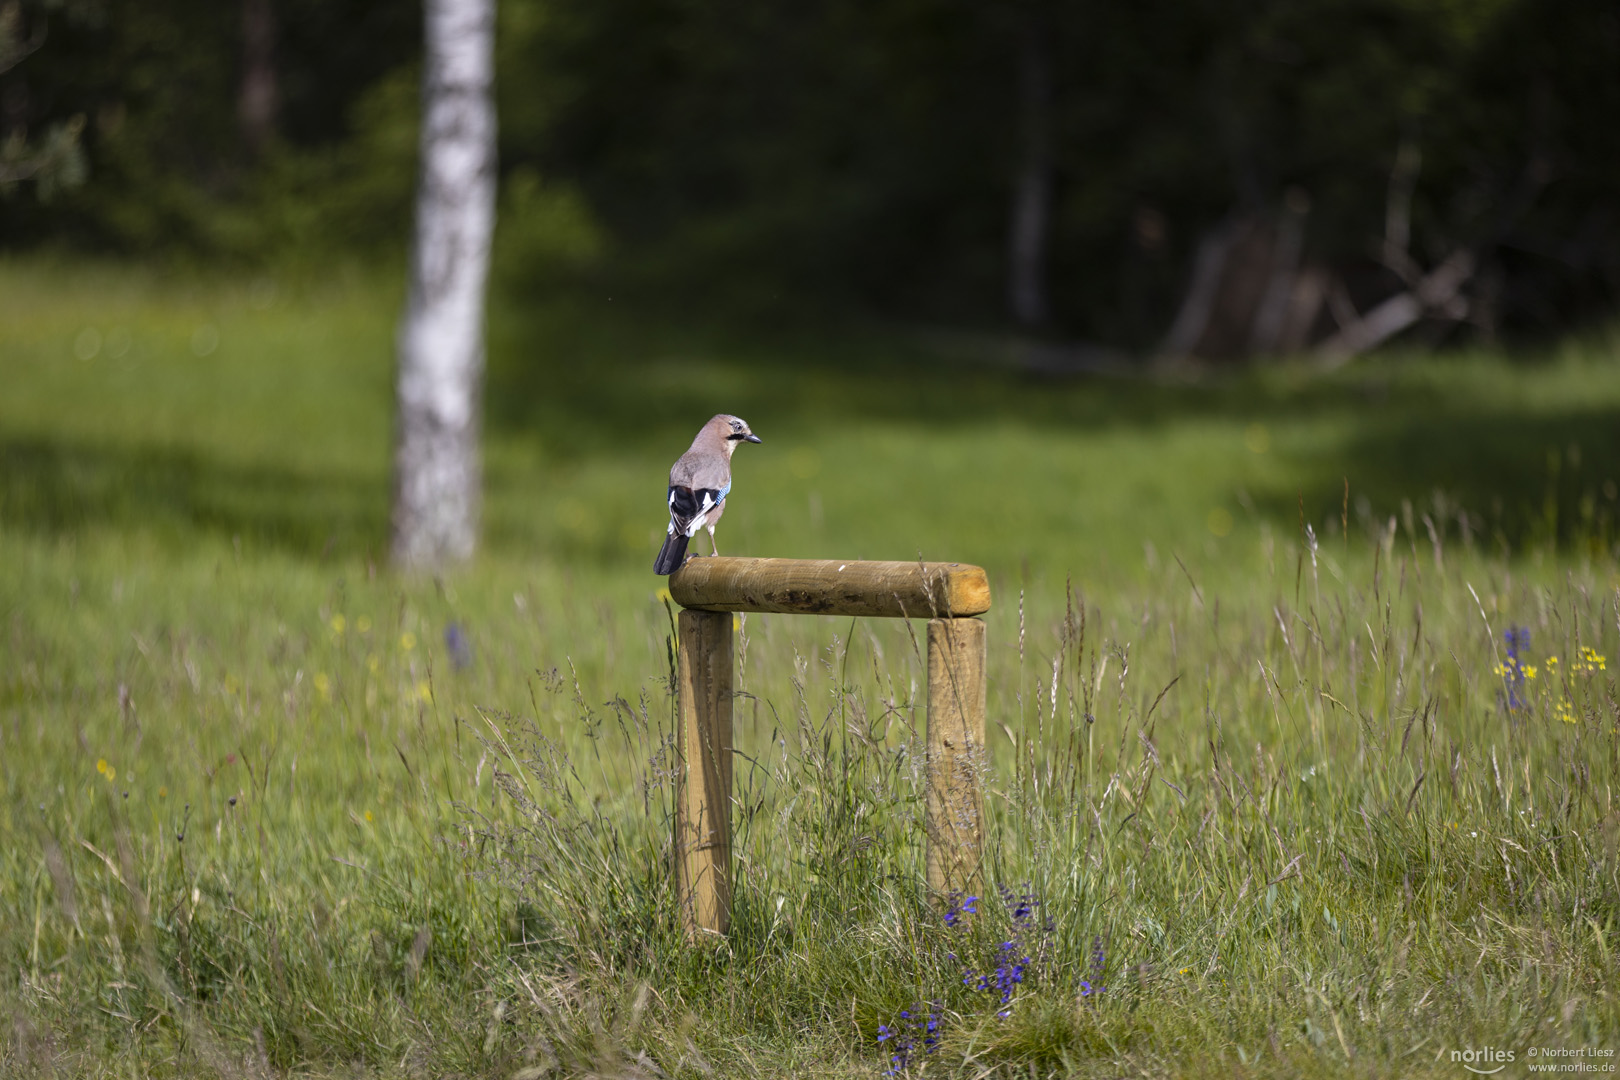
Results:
13 49
1437 292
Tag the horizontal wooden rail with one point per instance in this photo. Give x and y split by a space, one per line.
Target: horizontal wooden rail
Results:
908 590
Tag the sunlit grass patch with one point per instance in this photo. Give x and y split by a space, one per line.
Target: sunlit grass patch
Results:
1333 800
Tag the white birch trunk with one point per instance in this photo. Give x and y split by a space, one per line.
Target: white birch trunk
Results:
1032 188
261 93
441 336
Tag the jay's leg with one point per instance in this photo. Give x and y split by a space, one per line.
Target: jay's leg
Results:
712 549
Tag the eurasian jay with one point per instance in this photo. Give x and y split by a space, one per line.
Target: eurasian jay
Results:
698 485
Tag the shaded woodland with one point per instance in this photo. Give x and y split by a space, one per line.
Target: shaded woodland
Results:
1208 179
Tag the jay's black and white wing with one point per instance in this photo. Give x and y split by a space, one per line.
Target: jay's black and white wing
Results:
690 509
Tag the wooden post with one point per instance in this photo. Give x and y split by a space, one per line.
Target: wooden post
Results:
703 785
956 749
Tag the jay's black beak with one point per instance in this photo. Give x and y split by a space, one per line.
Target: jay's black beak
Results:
751 437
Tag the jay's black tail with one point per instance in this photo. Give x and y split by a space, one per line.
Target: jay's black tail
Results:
672 554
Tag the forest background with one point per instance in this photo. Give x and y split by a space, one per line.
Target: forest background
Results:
1056 167
1303 745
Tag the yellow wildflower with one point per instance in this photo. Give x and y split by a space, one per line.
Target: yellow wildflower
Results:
363 624
339 623
323 686
407 641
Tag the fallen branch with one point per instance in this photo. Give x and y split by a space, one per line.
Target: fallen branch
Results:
13 49
1438 291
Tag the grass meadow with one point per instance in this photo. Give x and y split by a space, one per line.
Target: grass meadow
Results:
1303 706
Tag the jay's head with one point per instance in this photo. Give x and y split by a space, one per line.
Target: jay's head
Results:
733 430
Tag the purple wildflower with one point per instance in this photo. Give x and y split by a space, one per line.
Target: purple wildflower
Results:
955 912
459 647
914 1030
1016 956
1518 644
1099 964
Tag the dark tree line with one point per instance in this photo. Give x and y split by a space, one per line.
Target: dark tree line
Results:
1207 178
208 123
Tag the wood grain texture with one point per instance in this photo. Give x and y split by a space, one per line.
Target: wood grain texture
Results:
703 782
956 754
832 587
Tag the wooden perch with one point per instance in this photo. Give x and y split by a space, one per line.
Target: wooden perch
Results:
1439 290
909 590
956 757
